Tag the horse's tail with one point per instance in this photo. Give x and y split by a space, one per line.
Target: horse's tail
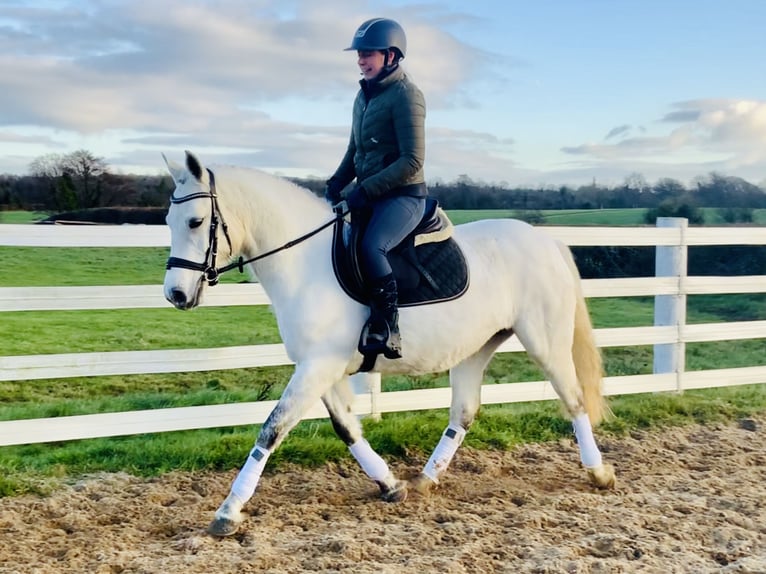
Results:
586 355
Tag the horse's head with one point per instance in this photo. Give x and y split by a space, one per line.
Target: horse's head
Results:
195 225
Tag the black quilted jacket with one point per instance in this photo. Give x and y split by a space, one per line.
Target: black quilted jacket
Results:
386 149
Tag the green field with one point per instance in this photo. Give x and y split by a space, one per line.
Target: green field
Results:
550 217
557 217
22 216
605 217
34 467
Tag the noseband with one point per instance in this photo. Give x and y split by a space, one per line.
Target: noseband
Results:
210 272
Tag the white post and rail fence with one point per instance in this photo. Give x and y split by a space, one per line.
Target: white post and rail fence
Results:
668 336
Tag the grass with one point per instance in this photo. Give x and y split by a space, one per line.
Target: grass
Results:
46 332
556 216
22 216
610 217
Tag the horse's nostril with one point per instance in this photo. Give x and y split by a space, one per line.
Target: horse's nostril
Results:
178 297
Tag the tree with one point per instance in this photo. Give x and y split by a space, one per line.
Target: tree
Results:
676 207
48 170
49 166
85 169
66 194
636 182
71 181
667 188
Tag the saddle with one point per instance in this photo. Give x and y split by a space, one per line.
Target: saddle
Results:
428 264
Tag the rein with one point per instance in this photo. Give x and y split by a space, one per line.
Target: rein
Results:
210 272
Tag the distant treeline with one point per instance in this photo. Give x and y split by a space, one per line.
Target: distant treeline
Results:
713 190
66 185
57 186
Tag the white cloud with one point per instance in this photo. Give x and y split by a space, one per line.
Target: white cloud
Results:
729 126
200 74
714 134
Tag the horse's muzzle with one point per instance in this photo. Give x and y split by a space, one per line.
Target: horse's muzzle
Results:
179 300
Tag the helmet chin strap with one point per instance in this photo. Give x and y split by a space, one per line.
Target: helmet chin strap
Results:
387 68
394 60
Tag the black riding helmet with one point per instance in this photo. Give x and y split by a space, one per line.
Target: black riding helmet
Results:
380 34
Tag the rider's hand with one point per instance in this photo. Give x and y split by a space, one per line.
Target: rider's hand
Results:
357 199
332 191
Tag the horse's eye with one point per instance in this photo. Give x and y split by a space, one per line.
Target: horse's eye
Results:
195 223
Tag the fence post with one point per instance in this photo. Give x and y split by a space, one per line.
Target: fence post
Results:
362 383
670 310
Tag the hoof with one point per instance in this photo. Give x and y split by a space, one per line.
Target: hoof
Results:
602 476
396 494
222 527
422 485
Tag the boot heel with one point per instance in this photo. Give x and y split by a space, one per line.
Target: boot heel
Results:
393 347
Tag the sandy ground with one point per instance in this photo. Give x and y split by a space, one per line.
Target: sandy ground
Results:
690 500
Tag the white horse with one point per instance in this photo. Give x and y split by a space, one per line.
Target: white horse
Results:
521 281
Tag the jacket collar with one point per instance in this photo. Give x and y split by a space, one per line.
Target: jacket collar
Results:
382 81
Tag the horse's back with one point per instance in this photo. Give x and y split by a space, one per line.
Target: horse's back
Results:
519 268
510 246
509 226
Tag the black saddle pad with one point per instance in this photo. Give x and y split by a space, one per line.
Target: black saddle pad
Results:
427 273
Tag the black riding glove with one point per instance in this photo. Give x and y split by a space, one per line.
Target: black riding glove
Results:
357 199
332 191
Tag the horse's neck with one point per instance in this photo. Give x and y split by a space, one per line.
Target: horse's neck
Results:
271 212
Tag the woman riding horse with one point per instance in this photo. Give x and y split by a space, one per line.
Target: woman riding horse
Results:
385 154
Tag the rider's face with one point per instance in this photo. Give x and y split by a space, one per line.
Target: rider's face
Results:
371 62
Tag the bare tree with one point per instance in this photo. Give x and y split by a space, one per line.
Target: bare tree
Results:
47 171
637 182
48 166
85 170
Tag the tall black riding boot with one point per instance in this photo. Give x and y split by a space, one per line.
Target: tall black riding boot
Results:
384 319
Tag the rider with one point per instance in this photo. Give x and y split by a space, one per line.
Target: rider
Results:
385 155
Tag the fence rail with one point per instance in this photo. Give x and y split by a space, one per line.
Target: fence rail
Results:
668 335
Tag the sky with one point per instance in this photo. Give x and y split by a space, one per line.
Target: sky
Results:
540 93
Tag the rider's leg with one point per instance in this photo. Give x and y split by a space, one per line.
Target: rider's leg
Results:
392 220
384 324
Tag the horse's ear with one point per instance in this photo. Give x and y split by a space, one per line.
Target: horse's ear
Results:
176 170
195 167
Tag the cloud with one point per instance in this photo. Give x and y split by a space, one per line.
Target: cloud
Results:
681 116
16 138
146 64
731 132
222 77
618 131
733 124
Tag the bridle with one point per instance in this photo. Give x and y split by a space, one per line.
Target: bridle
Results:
210 272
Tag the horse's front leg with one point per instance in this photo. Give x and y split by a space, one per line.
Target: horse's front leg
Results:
308 383
338 401
465 381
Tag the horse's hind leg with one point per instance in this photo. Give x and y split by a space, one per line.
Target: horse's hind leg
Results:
465 381
556 346
338 403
